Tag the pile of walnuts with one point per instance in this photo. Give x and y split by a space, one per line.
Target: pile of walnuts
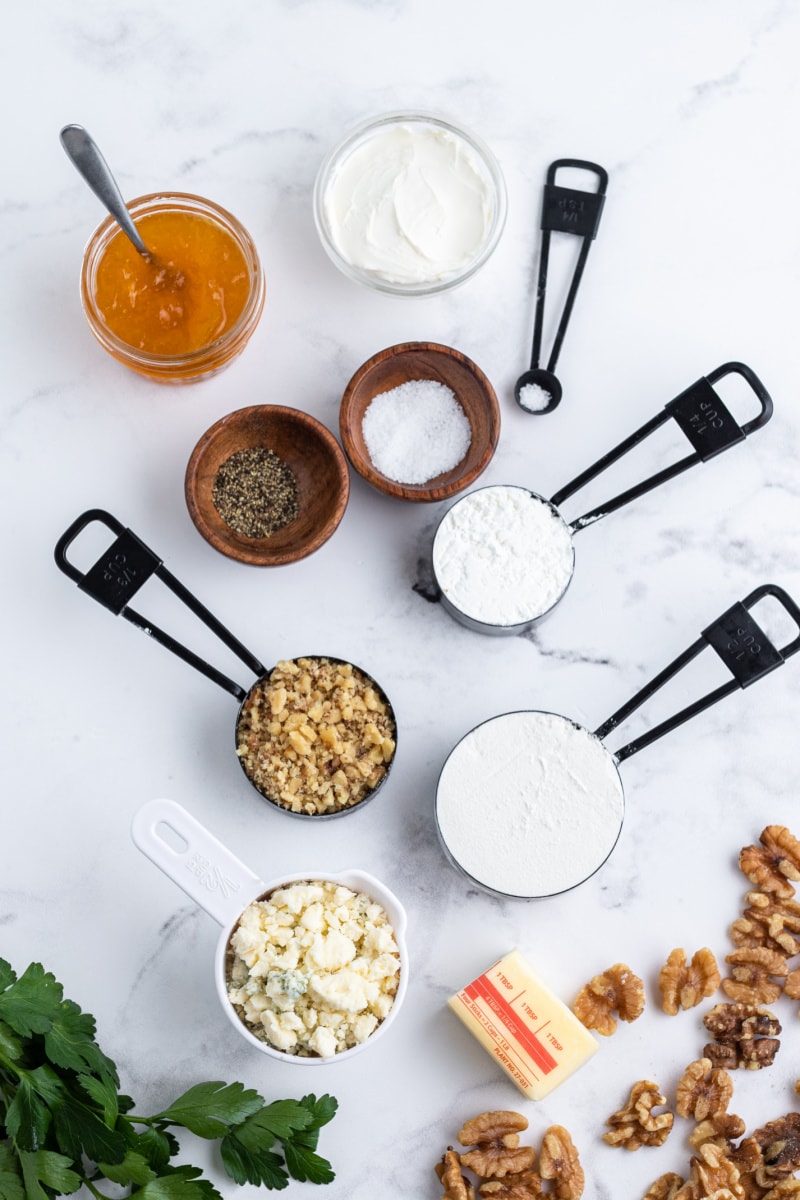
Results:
504 1170
726 1164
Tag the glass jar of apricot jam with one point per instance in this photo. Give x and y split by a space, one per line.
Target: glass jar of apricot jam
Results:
188 310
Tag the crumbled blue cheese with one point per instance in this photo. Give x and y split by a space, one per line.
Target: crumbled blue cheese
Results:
314 968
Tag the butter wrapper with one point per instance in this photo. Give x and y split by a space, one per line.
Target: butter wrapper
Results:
535 1038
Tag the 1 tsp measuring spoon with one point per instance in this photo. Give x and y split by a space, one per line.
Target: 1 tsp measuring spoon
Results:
222 885
564 210
519 557
530 804
115 579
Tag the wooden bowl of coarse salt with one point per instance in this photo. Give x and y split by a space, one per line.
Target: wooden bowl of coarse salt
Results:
419 421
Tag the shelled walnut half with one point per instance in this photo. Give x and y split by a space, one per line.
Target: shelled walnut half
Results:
745 1035
703 1091
617 990
495 1138
559 1163
772 865
684 985
636 1124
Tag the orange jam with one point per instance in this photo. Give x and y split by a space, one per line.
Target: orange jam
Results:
193 289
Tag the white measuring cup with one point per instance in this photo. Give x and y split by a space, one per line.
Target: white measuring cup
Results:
224 886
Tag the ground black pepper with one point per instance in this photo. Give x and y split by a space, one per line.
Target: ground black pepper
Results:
255 492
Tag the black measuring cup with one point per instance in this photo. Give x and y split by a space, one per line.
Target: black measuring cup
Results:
531 804
700 414
118 575
564 210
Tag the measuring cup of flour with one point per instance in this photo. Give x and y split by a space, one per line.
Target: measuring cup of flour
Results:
530 804
294 740
309 968
503 556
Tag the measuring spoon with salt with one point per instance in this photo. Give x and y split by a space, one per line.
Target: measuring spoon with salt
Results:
564 210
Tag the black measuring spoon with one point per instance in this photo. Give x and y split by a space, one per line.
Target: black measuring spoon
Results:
564 210
118 575
530 804
477 591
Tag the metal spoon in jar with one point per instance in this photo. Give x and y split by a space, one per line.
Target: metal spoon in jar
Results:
85 155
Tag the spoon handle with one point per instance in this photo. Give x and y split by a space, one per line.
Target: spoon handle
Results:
86 156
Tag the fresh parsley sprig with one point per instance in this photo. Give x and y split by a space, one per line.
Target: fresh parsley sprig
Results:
64 1123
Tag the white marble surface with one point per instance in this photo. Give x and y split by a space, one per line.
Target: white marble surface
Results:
691 106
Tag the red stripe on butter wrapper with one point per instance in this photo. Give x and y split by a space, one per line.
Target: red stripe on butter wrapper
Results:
482 988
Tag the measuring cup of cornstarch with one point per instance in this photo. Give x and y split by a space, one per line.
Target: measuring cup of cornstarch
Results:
503 556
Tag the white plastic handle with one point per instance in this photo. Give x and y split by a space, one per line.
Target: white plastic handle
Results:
194 859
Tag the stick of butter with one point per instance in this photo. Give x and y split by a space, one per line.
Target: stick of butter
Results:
531 1033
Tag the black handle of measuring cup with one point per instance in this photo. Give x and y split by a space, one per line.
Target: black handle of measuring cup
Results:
565 210
702 416
118 575
740 643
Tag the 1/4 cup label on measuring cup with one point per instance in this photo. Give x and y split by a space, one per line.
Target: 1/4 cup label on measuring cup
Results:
742 645
118 575
705 420
211 876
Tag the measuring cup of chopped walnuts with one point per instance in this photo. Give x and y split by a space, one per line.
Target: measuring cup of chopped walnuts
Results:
316 736
309 969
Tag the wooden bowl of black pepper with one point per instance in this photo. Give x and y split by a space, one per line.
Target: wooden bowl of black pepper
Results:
433 402
267 485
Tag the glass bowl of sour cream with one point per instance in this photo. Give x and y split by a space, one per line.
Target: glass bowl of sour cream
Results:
410 204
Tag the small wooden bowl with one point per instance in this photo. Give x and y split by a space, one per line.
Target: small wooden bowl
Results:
422 360
307 447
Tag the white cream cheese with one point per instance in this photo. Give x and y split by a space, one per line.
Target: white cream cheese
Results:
410 204
529 804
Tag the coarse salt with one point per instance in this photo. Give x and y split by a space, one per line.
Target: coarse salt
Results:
534 398
529 804
416 431
503 555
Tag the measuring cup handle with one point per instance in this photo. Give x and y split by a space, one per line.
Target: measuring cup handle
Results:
739 642
118 575
194 859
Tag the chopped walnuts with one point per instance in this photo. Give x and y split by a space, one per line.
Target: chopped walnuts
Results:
618 990
636 1124
684 986
316 735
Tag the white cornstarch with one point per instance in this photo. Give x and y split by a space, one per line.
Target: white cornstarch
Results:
416 431
534 398
529 804
503 555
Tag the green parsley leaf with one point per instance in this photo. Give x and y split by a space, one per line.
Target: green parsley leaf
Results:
10 1046
104 1095
30 1003
7 974
70 1043
80 1131
157 1146
306 1166
208 1109
280 1119
251 1165
47 1084
52 1170
180 1184
322 1110
11 1187
27 1119
134 1169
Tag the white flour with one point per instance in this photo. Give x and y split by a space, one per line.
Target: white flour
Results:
503 555
529 804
